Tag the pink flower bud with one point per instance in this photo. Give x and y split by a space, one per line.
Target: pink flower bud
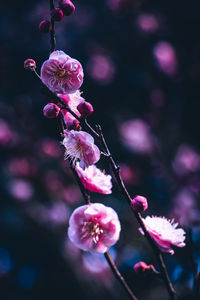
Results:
67 7
139 203
45 26
73 125
141 267
57 14
85 109
51 111
29 64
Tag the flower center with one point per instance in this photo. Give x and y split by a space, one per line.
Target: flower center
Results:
93 230
61 73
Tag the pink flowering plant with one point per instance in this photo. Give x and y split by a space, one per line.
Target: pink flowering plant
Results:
94 227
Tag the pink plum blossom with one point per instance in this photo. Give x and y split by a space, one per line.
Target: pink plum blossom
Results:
94 228
80 146
95 180
164 232
61 73
72 101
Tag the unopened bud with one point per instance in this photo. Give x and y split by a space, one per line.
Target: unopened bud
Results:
85 109
45 26
51 111
29 64
67 7
73 124
142 267
57 14
139 203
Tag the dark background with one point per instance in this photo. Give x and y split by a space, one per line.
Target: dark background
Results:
142 65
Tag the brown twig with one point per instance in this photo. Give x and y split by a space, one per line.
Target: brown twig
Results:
52 32
158 255
118 275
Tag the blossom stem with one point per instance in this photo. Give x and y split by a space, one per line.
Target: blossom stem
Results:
118 275
86 196
52 32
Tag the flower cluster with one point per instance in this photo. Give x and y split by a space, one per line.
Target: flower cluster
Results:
93 227
65 8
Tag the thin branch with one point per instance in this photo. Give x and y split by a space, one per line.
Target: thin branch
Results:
118 275
85 194
158 255
52 32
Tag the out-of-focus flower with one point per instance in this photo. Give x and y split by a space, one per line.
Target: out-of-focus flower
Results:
6 133
164 232
71 194
95 180
21 189
101 68
186 160
185 207
61 73
139 203
94 228
71 100
147 23
50 147
131 176
53 182
166 59
96 263
80 146
136 136
22 166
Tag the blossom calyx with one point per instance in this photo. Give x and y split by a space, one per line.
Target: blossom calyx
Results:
29 64
51 111
139 204
85 109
